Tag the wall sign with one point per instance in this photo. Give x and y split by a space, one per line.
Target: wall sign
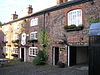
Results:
23 39
78 43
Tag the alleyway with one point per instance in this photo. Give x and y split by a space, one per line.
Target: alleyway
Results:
29 69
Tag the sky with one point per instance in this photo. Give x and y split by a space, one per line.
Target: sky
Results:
8 7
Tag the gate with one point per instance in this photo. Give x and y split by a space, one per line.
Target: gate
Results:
94 55
94 49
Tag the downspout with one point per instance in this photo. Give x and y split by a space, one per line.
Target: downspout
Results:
44 28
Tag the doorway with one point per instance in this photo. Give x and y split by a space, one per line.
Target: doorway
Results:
77 56
72 56
55 55
23 54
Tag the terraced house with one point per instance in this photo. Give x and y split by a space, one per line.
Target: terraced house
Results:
67 24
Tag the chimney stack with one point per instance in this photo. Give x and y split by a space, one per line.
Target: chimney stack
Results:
14 16
29 9
61 1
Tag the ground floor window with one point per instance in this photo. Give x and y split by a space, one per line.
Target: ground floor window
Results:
15 50
33 51
4 49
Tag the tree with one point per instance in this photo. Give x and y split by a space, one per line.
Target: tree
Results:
43 37
42 56
0 22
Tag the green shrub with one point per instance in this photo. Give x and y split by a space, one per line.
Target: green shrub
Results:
96 20
70 26
40 59
37 60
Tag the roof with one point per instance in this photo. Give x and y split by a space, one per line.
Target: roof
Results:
94 29
54 8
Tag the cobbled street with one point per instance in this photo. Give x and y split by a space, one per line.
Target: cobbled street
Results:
29 69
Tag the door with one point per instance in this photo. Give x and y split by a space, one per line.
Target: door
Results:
23 54
72 56
55 52
94 61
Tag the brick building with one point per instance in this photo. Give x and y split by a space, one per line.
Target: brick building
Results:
67 24
2 44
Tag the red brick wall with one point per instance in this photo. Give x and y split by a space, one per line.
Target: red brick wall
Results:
55 21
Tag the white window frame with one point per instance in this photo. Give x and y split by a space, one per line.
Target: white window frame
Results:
6 28
16 26
33 35
15 50
15 37
75 17
4 49
34 22
33 51
5 38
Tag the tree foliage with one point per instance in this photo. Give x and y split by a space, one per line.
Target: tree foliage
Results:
0 22
42 56
43 37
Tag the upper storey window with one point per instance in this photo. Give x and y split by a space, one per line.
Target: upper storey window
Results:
6 28
75 17
16 26
34 22
33 35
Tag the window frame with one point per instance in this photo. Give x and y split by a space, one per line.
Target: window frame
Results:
15 37
33 35
5 38
75 17
74 8
33 51
4 49
16 26
34 22
14 50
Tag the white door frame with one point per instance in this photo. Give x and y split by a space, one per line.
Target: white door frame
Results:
53 56
68 56
24 53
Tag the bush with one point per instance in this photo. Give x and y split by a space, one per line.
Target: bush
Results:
40 59
60 64
70 26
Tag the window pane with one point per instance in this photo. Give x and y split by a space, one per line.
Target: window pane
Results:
33 51
75 17
34 22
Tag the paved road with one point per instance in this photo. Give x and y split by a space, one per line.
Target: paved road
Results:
29 69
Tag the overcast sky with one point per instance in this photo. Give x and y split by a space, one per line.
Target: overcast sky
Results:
8 7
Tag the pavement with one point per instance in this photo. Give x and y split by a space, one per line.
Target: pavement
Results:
30 69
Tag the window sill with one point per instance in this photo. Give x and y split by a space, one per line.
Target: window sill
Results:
32 55
32 41
74 29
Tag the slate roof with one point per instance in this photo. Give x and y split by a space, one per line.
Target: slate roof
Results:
54 8
94 29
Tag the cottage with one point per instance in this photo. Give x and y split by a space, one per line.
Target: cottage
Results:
67 24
